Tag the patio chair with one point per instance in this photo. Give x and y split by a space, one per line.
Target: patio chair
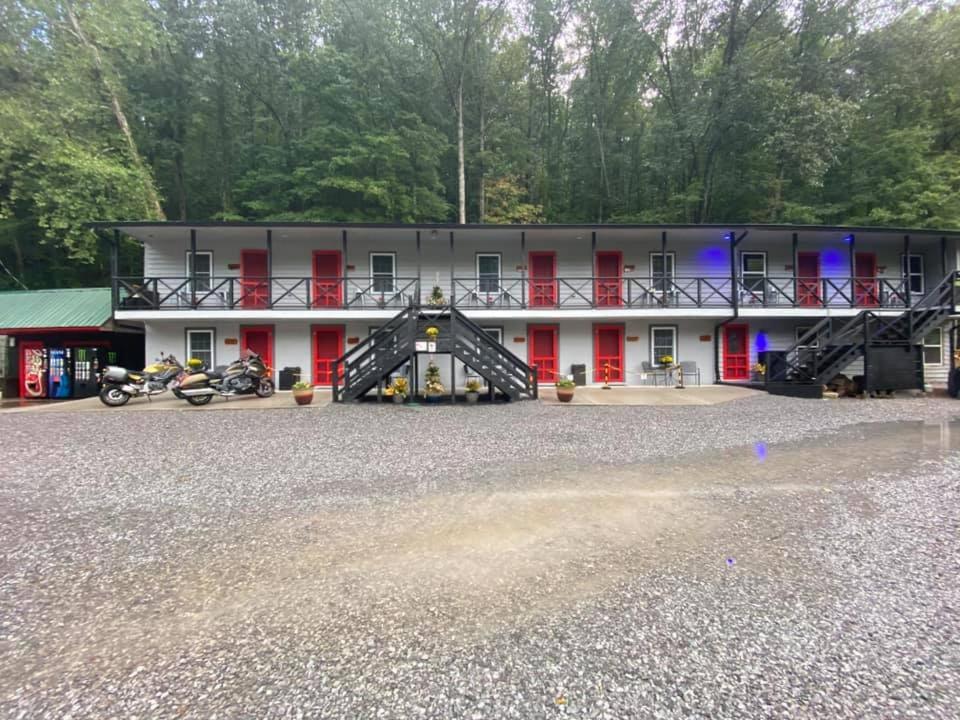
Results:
653 372
690 370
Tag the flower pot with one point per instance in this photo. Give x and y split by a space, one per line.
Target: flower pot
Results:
565 394
303 397
398 399
431 398
472 398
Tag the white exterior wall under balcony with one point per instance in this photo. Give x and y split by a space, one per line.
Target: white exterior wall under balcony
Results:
292 343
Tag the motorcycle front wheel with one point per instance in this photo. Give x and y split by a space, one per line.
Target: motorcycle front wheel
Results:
265 388
113 396
199 399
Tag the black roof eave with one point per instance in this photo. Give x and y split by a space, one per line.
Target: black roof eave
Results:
121 224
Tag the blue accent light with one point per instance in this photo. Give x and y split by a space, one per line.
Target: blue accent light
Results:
848 239
760 342
713 256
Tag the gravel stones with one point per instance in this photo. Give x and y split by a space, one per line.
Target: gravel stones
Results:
492 562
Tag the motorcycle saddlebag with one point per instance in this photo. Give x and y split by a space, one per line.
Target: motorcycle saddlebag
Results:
114 374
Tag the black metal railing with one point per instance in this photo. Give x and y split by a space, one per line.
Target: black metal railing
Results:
508 293
831 344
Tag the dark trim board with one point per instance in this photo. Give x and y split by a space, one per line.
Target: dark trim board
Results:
119 225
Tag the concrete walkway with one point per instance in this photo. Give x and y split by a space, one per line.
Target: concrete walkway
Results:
166 401
704 395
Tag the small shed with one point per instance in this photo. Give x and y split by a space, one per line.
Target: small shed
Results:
57 340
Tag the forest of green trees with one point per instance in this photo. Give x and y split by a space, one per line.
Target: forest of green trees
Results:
798 111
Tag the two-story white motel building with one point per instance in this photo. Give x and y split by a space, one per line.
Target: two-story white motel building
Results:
615 298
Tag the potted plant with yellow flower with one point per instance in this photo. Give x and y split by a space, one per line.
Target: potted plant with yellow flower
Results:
472 391
399 389
302 392
432 387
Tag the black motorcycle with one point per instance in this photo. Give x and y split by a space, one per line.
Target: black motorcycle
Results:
247 376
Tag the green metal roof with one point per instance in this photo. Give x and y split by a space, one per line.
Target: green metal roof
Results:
80 307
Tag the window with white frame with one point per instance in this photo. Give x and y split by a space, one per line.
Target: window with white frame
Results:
488 272
662 270
933 347
663 343
753 271
495 332
911 266
203 260
800 331
383 272
200 346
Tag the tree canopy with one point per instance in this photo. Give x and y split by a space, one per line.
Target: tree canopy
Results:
797 111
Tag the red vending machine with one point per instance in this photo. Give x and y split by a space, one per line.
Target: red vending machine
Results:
33 370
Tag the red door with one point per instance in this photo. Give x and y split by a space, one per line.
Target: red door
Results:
736 353
254 288
865 284
327 347
609 281
543 279
608 353
542 351
808 278
33 375
259 339
327 282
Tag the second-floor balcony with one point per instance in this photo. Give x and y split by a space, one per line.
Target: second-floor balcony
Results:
507 293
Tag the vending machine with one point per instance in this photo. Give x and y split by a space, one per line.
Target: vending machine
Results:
59 367
86 366
33 370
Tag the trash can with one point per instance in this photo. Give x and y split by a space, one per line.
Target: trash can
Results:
288 376
579 373
776 364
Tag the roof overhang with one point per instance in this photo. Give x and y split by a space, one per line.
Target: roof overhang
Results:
250 231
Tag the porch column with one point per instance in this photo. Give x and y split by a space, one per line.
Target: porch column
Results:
663 266
269 268
193 267
943 255
419 269
452 285
905 271
853 269
796 272
344 264
593 264
114 268
523 269
734 292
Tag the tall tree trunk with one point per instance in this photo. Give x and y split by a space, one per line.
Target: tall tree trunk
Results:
153 201
483 179
461 173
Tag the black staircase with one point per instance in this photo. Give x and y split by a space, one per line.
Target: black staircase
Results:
820 354
371 362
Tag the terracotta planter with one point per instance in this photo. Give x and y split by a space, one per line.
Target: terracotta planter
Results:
565 394
303 397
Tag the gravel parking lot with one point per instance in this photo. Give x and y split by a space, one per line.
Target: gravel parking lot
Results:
762 558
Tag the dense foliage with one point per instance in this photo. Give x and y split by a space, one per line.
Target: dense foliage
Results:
809 111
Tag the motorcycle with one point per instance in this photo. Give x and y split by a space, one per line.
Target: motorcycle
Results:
248 375
118 385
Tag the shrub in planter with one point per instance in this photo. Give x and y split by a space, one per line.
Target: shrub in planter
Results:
565 390
302 393
432 387
473 391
